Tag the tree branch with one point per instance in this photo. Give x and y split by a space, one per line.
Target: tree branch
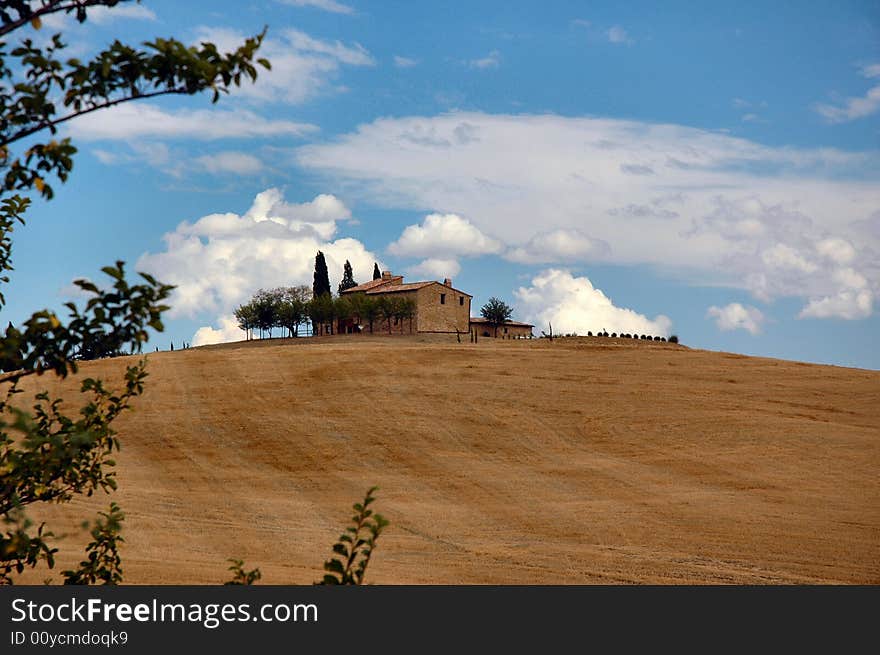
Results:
21 134
50 8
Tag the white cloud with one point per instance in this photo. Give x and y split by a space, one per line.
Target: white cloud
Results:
871 70
131 11
443 235
837 250
220 260
852 108
737 317
435 269
226 332
492 60
783 257
848 304
327 5
230 161
404 62
354 55
136 120
559 246
572 304
708 207
617 34
303 66
60 20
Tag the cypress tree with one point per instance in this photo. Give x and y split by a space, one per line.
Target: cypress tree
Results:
376 273
321 280
347 279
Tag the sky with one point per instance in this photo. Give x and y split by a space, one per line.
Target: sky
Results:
709 170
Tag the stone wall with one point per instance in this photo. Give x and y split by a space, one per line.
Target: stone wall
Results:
432 315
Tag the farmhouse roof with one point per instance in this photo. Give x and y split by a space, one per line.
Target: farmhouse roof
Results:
480 319
372 284
409 286
412 286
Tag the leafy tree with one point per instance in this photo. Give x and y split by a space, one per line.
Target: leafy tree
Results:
39 91
320 312
103 563
321 280
247 319
347 278
405 308
353 550
388 308
266 304
377 275
497 312
343 308
46 455
291 311
370 310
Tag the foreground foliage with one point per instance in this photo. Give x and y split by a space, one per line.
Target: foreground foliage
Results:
47 455
353 550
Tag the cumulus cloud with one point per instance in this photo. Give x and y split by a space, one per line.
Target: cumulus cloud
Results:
219 260
492 60
573 304
133 121
326 5
713 209
559 246
227 330
435 269
848 304
737 317
853 300
442 235
303 66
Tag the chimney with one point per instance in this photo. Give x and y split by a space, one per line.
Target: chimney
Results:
386 275
447 282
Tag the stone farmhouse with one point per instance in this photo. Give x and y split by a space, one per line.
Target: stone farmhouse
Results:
438 306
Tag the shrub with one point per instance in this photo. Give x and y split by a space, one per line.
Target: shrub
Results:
673 338
656 338
589 333
355 546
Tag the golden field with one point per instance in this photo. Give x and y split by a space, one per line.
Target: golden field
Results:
505 462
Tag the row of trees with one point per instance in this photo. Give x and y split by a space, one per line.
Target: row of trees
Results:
288 308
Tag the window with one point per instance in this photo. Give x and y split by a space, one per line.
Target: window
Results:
461 300
505 330
442 298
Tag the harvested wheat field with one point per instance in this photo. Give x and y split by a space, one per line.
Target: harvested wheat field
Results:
506 462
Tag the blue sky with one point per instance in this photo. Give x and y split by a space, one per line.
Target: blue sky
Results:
706 171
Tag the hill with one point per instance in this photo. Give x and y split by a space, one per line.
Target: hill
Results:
577 461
